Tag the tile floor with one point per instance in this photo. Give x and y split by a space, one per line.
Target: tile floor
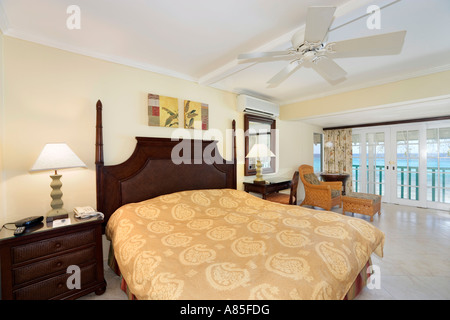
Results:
416 262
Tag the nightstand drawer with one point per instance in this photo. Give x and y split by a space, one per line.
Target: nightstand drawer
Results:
39 269
56 286
53 245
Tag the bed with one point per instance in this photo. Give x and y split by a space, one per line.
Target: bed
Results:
185 232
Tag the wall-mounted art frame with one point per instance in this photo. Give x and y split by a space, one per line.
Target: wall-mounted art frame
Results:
162 111
196 115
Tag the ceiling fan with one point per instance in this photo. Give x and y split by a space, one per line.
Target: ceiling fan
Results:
309 48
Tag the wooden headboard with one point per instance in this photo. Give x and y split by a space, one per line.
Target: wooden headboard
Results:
150 172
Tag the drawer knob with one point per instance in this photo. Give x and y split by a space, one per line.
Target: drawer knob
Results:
60 285
59 264
58 245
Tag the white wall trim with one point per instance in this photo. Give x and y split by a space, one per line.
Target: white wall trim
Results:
423 103
365 85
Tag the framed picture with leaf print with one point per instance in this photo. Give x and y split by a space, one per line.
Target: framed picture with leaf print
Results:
195 115
162 111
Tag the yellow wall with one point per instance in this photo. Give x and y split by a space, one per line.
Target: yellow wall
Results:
295 148
50 96
406 90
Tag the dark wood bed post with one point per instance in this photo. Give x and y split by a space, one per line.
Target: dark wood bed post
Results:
99 162
233 126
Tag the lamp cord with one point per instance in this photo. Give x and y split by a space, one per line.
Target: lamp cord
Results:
4 226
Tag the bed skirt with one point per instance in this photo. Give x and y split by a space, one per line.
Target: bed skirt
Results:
357 286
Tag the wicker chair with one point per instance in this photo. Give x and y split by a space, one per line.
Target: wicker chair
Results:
321 194
284 198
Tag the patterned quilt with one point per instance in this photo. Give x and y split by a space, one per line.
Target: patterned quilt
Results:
227 244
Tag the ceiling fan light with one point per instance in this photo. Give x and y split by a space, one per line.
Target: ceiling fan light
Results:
309 56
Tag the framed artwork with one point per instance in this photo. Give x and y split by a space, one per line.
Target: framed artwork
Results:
162 111
195 115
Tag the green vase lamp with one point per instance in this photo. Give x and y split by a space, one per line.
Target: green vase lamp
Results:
56 156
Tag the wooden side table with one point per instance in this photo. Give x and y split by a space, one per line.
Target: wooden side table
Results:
34 265
271 186
336 177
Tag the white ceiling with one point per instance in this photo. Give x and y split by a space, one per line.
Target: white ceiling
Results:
199 40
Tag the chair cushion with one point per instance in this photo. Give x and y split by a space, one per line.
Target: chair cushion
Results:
311 178
335 193
374 197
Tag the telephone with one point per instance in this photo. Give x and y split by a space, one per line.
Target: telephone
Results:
86 212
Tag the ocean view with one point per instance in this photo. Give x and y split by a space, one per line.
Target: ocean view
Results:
438 177
432 163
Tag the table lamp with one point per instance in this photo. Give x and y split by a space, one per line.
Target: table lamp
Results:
259 151
56 156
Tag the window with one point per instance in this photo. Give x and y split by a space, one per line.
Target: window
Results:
356 160
318 152
259 130
438 165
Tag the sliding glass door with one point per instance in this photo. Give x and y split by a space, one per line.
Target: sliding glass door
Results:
409 167
438 167
405 164
376 158
370 158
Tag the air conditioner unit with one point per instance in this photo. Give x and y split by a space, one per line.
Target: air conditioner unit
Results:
257 106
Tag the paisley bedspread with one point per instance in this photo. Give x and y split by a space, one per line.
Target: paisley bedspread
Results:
227 244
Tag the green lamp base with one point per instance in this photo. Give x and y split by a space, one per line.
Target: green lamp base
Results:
259 177
57 212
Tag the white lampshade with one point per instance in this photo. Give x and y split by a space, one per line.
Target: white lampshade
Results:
260 151
56 156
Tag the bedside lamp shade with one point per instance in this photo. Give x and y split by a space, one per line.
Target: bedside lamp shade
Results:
259 151
56 156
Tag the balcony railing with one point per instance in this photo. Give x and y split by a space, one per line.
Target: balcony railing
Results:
408 181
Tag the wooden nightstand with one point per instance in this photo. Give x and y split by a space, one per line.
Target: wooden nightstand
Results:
35 264
271 186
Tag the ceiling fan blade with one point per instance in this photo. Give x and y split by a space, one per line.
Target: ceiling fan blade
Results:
257 55
284 74
379 45
318 21
329 69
